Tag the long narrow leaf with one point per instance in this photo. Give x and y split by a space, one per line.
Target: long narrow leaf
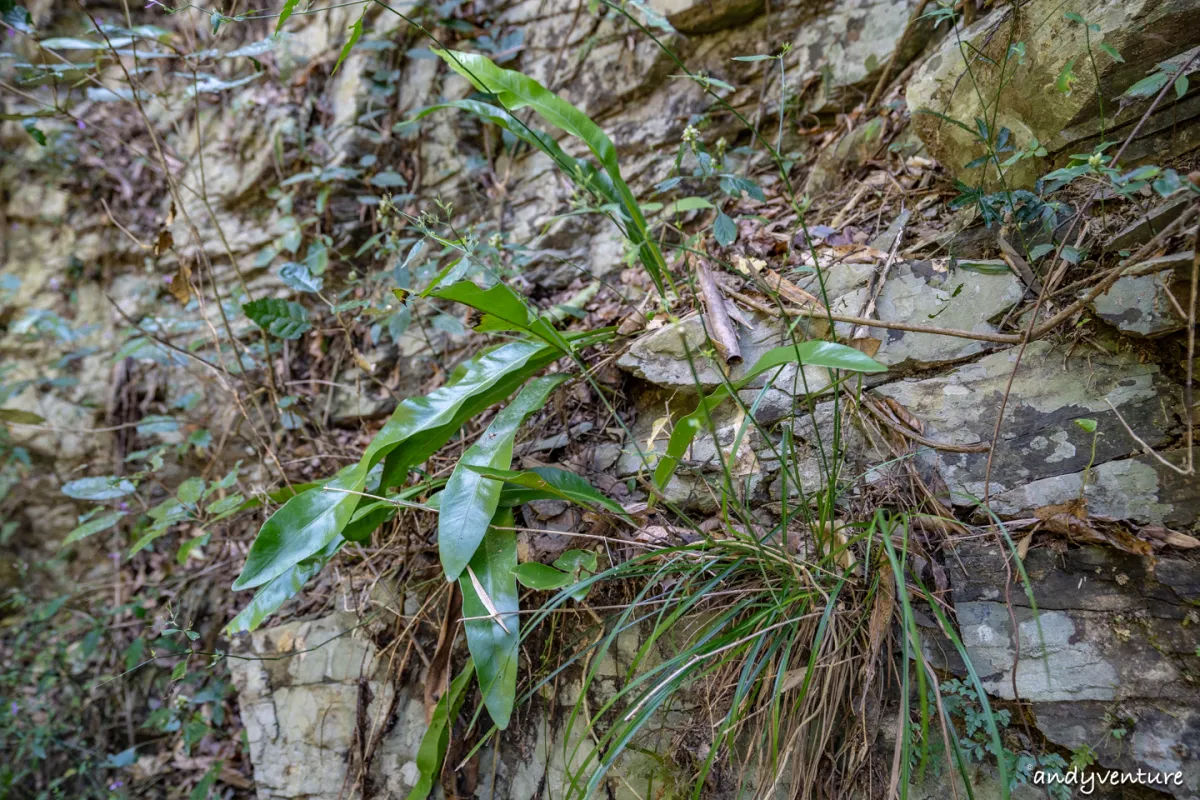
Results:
549 482
493 648
514 91
470 500
436 741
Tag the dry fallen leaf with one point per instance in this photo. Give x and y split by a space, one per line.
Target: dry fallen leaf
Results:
181 285
1023 546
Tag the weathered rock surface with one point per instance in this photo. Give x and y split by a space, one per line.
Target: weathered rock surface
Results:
309 690
926 293
1114 636
1144 32
1039 439
1146 301
707 16
1140 489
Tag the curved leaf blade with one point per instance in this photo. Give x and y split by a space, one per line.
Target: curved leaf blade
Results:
515 91
504 309
93 526
418 415
553 483
303 526
534 575
494 649
814 353
470 500
278 591
436 741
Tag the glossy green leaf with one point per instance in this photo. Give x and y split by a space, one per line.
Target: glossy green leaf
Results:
555 483
581 171
94 525
436 741
98 488
367 518
542 578
503 309
280 589
580 564
281 318
1112 52
814 353
421 425
470 500
572 560
493 648
305 525
515 91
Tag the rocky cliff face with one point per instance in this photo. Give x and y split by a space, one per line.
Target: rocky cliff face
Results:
84 291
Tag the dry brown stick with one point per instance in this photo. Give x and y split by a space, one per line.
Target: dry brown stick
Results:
1018 265
720 326
1000 338
1110 277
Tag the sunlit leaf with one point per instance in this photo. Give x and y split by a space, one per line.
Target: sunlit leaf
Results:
542 578
816 353
515 91
20 417
549 482
280 589
305 525
355 32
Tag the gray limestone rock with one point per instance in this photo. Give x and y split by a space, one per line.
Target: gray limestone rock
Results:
1144 32
1113 636
1039 438
1146 300
1140 489
707 16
